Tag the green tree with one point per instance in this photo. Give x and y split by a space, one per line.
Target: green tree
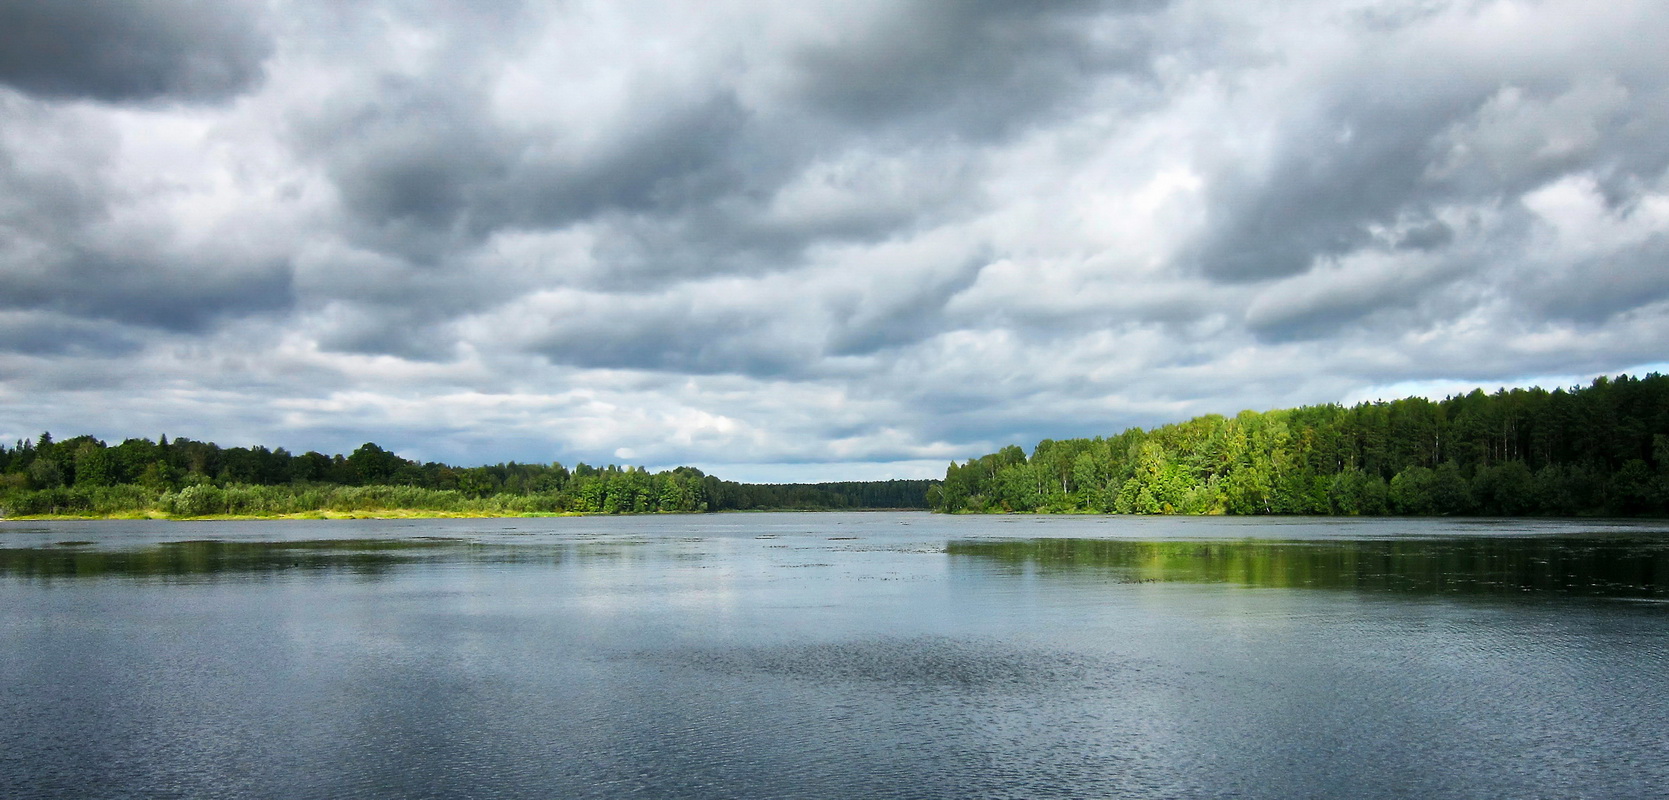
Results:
94 465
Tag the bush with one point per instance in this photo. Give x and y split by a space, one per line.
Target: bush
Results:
199 501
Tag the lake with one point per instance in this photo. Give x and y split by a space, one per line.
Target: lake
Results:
886 655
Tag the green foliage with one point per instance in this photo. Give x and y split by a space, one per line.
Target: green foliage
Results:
198 501
1601 449
184 478
1596 566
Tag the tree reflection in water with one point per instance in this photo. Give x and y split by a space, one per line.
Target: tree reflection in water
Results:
1603 566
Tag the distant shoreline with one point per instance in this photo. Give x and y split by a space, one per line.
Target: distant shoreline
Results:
406 513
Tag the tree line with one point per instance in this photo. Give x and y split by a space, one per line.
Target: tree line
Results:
1602 449
188 478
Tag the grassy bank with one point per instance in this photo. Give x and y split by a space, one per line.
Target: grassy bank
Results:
293 501
386 513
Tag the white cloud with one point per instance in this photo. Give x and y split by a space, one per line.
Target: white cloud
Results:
825 240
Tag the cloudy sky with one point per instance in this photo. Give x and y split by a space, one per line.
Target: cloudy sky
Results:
803 241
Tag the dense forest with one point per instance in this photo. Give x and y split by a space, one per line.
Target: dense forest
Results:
1602 449
1596 450
186 478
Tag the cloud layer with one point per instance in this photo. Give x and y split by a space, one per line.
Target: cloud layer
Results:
810 240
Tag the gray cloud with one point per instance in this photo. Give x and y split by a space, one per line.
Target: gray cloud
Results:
1593 291
898 314
976 69
1358 164
51 174
677 162
425 173
1388 142
132 50
153 292
45 334
423 163
857 233
68 245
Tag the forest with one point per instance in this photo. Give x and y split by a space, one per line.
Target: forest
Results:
1602 449
84 476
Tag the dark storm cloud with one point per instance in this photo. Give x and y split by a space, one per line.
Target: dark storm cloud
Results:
425 172
801 329
800 232
1389 309
411 319
1431 235
1363 180
1538 127
703 334
1595 290
131 50
688 186
411 334
897 316
676 163
47 334
744 221
1359 163
61 248
51 173
698 346
423 164
410 162
974 69
1382 148
152 290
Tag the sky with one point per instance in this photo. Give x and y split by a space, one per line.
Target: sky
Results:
811 240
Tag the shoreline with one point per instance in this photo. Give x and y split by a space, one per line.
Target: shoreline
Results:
313 515
407 513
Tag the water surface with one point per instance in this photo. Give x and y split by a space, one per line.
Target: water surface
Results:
835 655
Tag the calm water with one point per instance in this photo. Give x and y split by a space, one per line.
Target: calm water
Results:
835 655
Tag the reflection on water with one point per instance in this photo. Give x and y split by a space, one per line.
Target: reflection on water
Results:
834 655
1604 566
211 556
239 558
1609 565
913 664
